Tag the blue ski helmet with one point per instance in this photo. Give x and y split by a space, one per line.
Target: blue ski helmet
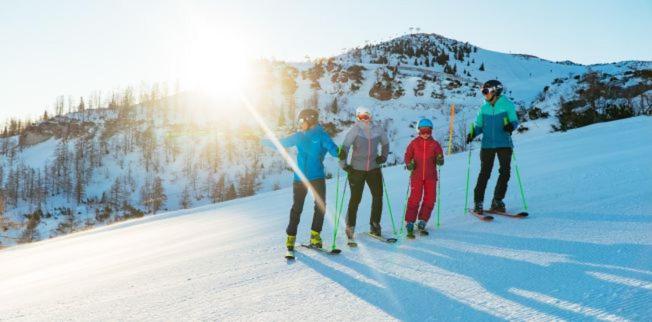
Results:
424 123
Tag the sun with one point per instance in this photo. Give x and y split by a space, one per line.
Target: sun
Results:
216 61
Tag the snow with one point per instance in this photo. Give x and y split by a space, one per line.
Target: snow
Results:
584 253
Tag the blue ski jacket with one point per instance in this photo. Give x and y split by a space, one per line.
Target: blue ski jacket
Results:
490 122
312 146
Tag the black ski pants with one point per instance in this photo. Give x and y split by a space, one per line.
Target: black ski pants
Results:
300 191
357 179
487 157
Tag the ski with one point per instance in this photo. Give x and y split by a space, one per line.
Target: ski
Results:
387 240
289 255
519 215
323 250
481 217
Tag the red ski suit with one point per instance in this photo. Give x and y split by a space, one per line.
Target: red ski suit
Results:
423 182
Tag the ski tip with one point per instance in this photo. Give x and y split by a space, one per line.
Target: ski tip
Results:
392 240
488 218
522 214
335 251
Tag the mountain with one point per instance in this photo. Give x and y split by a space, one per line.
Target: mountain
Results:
148 152
583 254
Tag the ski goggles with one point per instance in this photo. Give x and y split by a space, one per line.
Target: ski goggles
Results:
488 90
425 130
363 117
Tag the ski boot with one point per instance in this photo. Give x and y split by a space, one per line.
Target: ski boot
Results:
315 239
350 234
421 226
478 207
289 242
409 227
375 230
497 206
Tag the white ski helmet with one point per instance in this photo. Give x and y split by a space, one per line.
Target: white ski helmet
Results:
361 110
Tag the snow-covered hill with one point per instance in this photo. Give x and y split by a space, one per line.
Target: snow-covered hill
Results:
585 253
156 152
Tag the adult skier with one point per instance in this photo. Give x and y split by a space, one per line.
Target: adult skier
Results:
422 156
362 142
496 121
312 144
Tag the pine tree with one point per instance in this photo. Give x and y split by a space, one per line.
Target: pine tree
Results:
482 67
184 203
158 195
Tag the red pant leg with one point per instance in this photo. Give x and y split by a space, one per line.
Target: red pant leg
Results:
429 196
416 192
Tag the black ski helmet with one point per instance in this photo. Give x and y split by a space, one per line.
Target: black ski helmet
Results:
308 115
492 86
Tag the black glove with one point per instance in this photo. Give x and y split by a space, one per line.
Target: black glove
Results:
342 154
347 168
410 166
469 138
440 159
380 159
509 128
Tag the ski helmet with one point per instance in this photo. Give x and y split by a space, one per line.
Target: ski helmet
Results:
492 86
308 115
362 113
424 122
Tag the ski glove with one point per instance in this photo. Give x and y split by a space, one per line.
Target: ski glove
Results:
410 166
509 128
440 159
347 168
469 138
342 154
380 159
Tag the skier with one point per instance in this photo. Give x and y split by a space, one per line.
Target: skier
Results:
312 144
363 140
496 120
421 156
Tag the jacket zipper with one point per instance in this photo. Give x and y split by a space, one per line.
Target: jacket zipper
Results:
423 176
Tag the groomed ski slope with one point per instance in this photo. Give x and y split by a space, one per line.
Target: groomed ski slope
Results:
585 252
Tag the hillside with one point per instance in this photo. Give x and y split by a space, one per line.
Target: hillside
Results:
585 252
133 154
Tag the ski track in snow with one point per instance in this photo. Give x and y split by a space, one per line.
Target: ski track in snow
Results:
584 253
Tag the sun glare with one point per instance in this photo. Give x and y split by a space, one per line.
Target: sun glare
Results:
216 62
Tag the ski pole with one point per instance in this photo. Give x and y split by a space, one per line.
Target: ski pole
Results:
407 195
438 196
468 173
389 207
339 211
337 206
518 173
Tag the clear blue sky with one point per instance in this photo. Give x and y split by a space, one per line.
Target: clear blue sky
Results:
73 47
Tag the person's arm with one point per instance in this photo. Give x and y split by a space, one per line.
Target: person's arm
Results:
346 144
286 142
439 154
408 158
328 144
478 124
384 141
512 118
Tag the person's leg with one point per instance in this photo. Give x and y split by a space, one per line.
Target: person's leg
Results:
416 192
299 192
319 187
356 183
429 195
375 182
505 160
486 165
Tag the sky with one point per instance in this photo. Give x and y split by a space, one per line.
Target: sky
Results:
75 47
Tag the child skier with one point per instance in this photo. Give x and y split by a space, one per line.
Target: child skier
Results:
421 156
312 144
